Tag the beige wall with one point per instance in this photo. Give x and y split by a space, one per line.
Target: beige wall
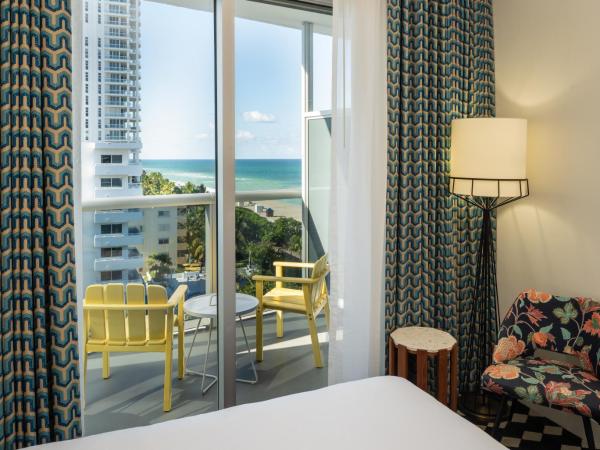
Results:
548 71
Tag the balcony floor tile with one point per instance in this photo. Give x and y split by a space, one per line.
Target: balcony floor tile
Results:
132 396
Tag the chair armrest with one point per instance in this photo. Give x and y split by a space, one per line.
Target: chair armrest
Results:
293 264
178 297
284 279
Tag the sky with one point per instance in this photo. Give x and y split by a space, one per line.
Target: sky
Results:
177 70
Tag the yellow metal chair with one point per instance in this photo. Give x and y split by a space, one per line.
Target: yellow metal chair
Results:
115 322
310 299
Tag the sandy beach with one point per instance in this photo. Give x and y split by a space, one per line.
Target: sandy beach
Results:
281 208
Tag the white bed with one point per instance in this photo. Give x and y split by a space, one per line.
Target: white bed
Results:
376 413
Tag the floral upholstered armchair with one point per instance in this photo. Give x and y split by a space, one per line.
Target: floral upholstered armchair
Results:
568 325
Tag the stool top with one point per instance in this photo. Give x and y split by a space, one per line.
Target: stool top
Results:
423 338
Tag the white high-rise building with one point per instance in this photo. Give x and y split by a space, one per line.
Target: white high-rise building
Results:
111 141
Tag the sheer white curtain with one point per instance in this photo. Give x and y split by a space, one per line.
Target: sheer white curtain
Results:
358 194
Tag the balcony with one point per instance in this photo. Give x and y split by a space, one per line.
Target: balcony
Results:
119 263
118 240
118 216
132 396
132 170
136 379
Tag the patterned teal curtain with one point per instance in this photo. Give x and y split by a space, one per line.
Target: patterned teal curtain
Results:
440 66
39 377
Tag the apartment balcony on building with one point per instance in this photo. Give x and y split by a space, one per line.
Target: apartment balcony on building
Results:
119 263
118 216
127 169
118 239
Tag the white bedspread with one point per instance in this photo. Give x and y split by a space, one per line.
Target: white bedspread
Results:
376 413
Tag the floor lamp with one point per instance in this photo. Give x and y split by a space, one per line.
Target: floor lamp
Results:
487 170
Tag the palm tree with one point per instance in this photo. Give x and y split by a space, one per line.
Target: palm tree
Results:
160 265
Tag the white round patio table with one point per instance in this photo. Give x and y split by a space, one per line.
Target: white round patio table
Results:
205 307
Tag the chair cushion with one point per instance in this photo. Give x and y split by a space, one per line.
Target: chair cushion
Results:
538 320
556 384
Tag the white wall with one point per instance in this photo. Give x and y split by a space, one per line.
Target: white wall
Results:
548 71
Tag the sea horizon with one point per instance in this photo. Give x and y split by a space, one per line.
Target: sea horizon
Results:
212 159
251 173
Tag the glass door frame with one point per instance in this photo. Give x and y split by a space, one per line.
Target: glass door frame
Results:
225 150
225 181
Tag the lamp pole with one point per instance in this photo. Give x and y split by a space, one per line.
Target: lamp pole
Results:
487 162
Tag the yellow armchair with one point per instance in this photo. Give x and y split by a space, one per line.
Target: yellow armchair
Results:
310 299
115 322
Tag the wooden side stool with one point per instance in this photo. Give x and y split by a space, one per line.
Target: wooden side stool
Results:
426 343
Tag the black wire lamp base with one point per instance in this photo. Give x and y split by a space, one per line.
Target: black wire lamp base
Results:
487 195
480 407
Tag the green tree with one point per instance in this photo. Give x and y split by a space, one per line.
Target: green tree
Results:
154 183
196 233
249 228
190 188
286 233
258 241
160 265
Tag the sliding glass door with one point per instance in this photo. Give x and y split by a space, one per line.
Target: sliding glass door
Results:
203 161
282 74
148 183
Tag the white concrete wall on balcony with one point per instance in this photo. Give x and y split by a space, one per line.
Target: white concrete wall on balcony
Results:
118 216
119 263
88 189
101 192
118 240
125 169
116 145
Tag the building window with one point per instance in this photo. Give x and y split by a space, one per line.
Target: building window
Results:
111 252
111 182
164 213
111 159
164 227
111 228
133 275
181 253
135 230
111 275
163 241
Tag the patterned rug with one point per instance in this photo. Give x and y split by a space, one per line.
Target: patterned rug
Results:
530 432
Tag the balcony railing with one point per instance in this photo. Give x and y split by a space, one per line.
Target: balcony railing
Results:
106 208
119 263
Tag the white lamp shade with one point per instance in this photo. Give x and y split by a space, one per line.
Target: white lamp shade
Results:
488 157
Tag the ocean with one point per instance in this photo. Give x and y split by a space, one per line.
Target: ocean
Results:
250 174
